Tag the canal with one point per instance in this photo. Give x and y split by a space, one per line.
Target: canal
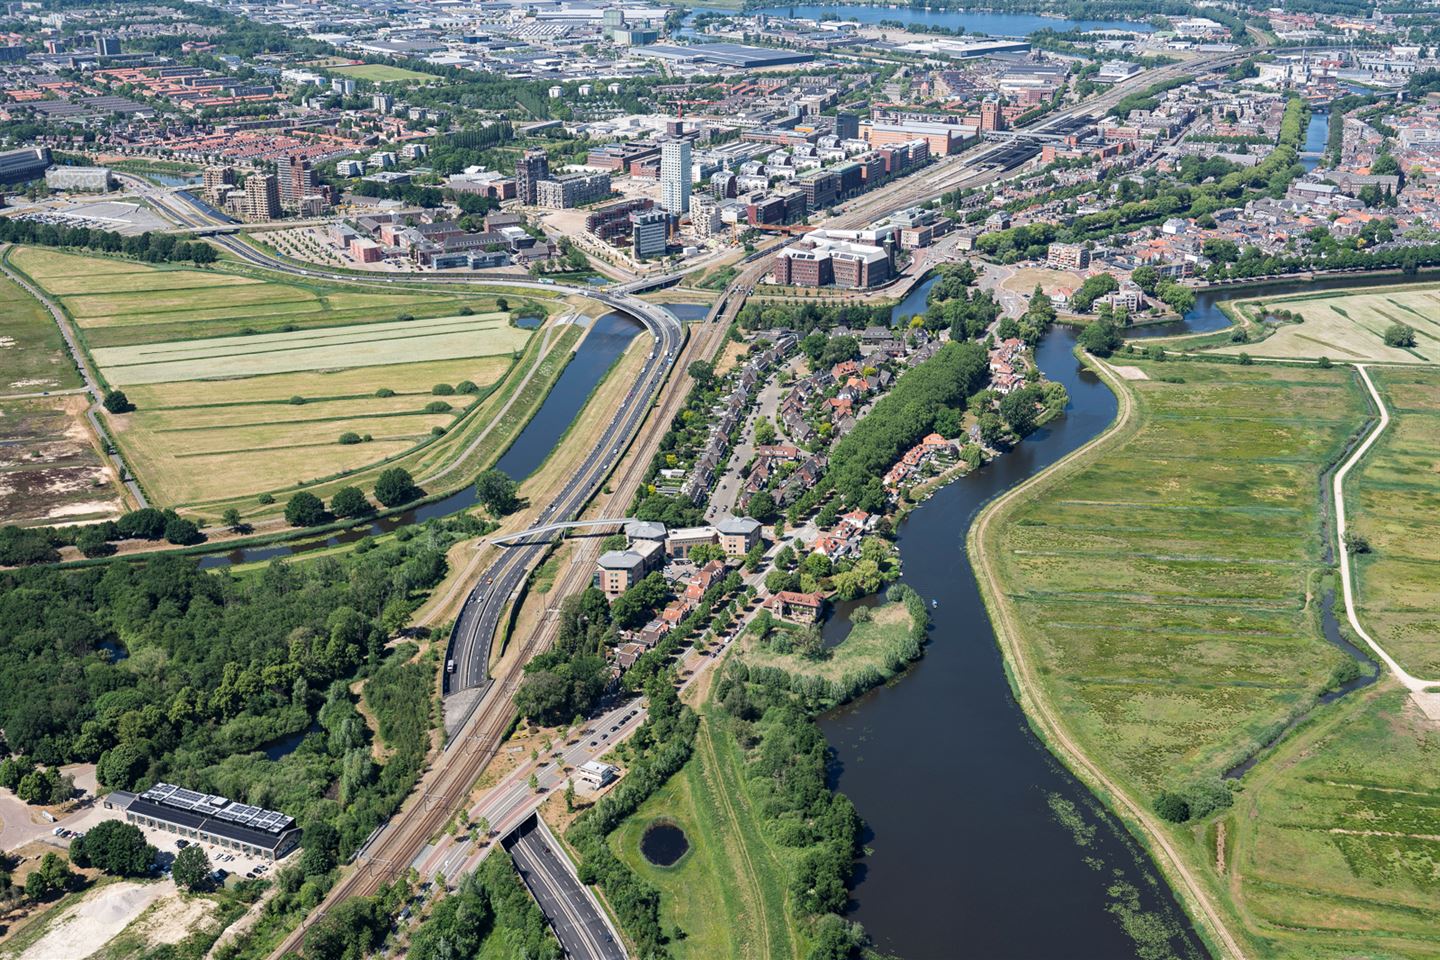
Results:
983 845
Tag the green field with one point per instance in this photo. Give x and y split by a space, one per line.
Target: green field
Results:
245 381
1349 325
380 73
329 348
728 892
32 354
866 647
1394 503
1166 588
1333 850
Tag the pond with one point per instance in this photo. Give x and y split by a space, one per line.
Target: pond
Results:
663 844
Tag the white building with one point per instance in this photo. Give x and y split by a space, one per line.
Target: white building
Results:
675 176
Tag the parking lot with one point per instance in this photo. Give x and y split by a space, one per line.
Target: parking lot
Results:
233 863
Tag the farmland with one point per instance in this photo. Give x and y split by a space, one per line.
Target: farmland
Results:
32 355
245 383
1349 325
1165 589
1394 500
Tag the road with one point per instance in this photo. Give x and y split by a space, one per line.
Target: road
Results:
579 924
92 382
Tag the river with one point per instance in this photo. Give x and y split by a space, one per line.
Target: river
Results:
971 21
969 855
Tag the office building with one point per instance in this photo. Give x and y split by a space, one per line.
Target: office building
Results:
262 197
847 126
19 166
106 45
530 169
650 233
675 173
619 570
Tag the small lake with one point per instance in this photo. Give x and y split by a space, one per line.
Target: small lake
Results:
663 844
971 21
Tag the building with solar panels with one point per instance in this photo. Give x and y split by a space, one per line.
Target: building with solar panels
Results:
253 831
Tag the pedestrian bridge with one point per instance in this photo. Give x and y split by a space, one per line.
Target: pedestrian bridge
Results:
543 532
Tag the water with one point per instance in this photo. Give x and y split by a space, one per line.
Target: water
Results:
1317 137
959 793
611 334
914 301
279 749
973 21
663 844
1207 317
170 180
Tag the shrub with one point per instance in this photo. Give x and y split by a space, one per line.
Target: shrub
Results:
349 437
1324 363
384 392
1399 335
442 390
467 387
437 406
1172 807
304 510
266 498
297 400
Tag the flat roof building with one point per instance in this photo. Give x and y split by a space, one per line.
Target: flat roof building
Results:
253 831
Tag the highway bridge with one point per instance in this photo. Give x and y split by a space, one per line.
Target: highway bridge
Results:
545 530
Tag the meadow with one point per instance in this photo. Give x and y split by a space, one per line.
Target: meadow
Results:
1349 325
1393 500
245 382
728 892
1166 588
32 354
380 73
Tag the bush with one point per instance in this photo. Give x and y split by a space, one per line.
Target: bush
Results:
349 438
305 510
116 402
384 392
442 390
1399 335
266 498
467 387
1172 807
297 400
437 406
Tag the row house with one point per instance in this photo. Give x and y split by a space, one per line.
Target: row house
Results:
908 467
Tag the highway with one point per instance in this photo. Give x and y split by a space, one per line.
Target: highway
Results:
582 929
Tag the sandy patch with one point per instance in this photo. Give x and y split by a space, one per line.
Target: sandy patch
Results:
1131 373
91 923
173 919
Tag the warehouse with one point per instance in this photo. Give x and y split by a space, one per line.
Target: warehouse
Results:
252 831
98 179
726 55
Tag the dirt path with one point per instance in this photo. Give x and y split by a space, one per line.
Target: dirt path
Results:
1031 694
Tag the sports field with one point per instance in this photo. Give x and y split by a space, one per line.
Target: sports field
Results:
1349 325
1166 586
355 345
380 73
1394 503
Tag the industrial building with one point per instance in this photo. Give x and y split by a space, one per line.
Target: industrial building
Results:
98 179
252 831
20 166
726 55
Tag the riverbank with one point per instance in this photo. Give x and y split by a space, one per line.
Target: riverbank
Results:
1182 637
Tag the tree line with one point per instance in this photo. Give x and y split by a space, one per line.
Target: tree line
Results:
150 247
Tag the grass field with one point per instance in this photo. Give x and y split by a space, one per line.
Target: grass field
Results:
32 354
1394 502
728 892
380 73
865 647
1333 850
1166 587
118 303
1349 325
354 345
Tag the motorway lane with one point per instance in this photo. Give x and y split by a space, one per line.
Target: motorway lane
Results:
579 924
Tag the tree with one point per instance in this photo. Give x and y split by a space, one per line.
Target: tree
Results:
146 523
349 502
1018 409
231 519
92 543
702 372
1147 278
305 510
1100 337
570 795
1399 335
1172 807
496 491
395 486
52 876
762 507
191 869
180 531
116 402
115 847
